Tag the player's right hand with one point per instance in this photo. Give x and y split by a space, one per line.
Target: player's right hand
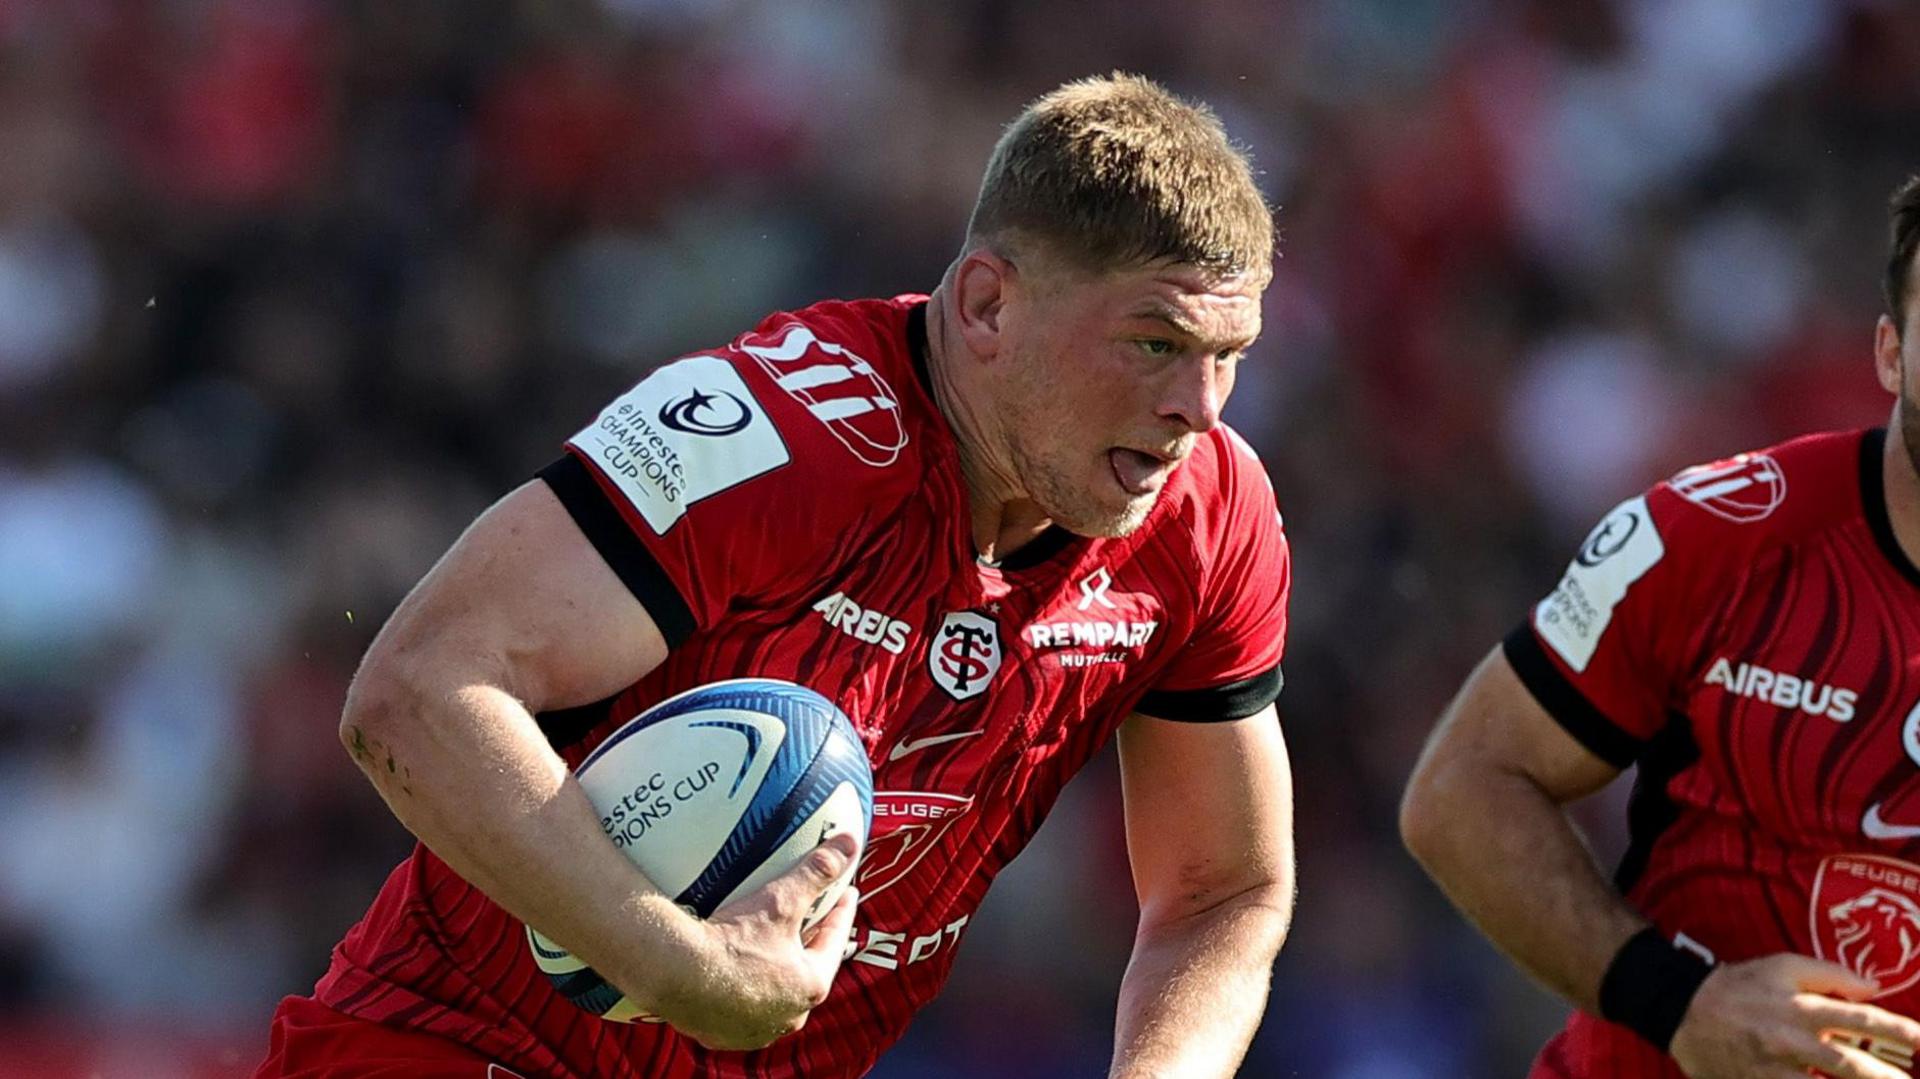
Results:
755 979
1766 1018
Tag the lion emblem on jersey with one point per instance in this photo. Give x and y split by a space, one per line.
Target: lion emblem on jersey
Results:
1866 917
1879 933
906 826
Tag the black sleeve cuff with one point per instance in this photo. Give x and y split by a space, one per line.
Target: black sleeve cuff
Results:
1566 704
1216 704
629 559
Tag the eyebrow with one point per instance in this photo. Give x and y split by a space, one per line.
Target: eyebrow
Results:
1180 323
1171 316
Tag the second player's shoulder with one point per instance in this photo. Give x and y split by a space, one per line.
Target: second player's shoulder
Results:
1740 507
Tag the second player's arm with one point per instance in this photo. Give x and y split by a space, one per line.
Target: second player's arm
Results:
1209 810
1484 813
522 616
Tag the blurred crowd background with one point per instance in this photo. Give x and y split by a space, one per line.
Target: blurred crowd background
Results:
290 290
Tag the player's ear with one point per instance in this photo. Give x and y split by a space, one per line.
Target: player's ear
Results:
1886 353
981 285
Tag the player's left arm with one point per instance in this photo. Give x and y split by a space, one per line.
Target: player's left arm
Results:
1209 812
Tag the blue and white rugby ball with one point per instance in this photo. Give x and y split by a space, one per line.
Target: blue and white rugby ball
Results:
714 792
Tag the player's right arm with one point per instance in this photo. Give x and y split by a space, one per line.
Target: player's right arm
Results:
1485 813
523 616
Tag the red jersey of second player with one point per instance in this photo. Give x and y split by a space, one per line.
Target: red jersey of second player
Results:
1748 633
791 506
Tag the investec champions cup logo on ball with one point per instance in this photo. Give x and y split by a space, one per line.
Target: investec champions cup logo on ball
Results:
964 654
1865 912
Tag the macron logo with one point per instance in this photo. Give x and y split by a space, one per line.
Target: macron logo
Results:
1783 690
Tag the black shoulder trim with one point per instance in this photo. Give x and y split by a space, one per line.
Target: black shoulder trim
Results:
1873 502
917 345
1566 704
1215 704
629 559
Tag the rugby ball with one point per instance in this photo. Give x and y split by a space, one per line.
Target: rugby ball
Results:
714 792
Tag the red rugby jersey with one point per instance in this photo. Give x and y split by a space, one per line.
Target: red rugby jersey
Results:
1748 633
791 506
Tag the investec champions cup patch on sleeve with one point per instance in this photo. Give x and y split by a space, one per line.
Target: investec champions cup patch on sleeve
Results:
688 431
1618 552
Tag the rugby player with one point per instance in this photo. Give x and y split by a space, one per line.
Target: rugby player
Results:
998 525
1748 634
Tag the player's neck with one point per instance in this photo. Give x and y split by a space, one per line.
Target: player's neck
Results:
1901 484
1002 517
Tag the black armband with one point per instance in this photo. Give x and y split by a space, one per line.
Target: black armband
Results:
1649 984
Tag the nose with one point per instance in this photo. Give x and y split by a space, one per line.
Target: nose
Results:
1194 393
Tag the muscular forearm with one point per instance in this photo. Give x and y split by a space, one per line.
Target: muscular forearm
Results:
466 769
1510 859
1196 987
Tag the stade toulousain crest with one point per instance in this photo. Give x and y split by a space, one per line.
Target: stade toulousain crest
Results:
839 388
965 654
1865 914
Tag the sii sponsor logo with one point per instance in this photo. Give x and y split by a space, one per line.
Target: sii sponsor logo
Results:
838 387
863 624
1782 690
1741 489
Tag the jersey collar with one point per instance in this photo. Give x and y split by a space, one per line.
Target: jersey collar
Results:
1873 500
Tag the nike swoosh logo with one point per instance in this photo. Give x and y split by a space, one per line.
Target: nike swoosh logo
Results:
1875 828
915 745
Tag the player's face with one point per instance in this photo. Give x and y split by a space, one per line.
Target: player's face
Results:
1110 379
1897 356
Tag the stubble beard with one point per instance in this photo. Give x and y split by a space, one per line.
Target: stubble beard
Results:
1047 478
1909 410
1075 509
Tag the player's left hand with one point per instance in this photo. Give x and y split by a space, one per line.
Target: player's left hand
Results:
758 980
1776 1017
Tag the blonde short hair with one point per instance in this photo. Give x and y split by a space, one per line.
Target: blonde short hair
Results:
1116 171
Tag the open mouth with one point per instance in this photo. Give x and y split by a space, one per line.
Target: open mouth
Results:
1138 473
